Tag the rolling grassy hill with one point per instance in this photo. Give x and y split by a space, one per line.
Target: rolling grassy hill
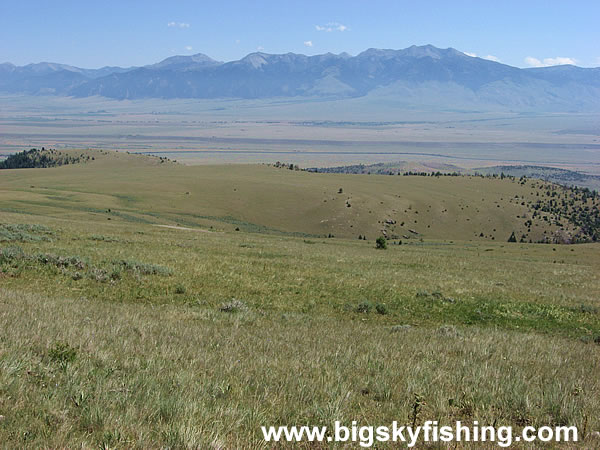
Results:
119 186
122 333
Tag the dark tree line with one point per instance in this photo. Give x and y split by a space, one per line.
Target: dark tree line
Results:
34 158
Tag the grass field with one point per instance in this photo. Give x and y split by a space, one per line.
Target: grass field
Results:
139 189
125 333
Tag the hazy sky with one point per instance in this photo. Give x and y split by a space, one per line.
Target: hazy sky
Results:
129 32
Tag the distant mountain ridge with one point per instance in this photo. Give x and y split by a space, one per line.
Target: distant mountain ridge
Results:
415 75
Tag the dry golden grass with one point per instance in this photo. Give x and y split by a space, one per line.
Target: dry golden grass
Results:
123 334
179 376
134 188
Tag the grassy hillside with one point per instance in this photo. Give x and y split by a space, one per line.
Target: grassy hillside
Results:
121 333
123 187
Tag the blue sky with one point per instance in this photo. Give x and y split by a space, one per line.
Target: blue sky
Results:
130 32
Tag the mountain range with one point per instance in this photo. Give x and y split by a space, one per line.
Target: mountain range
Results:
418 75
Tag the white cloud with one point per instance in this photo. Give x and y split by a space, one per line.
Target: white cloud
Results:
178 25
260 48
488 57
308 43
547 62
331 26
189 48
559 61
533 62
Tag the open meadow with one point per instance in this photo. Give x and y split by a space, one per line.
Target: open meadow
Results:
307 225
149 304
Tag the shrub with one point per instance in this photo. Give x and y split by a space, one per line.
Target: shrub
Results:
588 309
381 309
9 254
363 307
143 268
100 237
234 305
434 296
99 275
62 353
381 243
448 330
24 233
60 261
180 289
115 274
